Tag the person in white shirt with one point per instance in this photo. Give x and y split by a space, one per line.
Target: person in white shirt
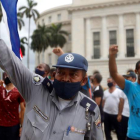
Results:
113 106
131 76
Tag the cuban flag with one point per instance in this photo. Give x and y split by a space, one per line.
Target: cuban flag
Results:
9 10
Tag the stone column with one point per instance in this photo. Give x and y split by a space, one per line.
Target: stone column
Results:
89 47
78 36
121 38
137 36
104 39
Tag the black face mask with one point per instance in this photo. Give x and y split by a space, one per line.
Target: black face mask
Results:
39 72
110 85
7 81
66 90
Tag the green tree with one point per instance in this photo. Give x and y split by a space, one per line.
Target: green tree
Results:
23 42
57 35
40 40
30 12
20 20
0 13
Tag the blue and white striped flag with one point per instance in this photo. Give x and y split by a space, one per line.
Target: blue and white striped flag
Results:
9 9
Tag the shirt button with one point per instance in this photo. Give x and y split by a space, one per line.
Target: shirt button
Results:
60 113
54 132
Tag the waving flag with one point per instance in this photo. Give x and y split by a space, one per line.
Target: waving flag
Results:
9 9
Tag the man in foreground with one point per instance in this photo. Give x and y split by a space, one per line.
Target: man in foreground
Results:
65 113
132 91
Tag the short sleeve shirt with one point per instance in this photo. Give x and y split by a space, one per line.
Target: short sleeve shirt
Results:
132 91
125 111
9 107
112 100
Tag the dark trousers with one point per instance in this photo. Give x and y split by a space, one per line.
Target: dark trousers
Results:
109 122
124 126
9 133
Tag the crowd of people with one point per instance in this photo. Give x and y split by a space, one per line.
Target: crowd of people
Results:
54 110
113 103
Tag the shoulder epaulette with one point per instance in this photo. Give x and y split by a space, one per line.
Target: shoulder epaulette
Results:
37 79
47 84
87 103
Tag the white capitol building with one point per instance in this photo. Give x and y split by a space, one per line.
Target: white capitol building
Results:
93 26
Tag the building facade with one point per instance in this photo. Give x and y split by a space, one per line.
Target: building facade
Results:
94 25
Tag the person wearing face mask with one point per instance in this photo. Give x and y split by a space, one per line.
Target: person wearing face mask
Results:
42 70
86 89
112 106
10 100
63 114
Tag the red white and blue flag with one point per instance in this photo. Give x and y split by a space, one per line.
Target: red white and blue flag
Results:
9 10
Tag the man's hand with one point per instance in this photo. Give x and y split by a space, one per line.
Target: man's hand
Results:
119 118
20 130
58 51
113 50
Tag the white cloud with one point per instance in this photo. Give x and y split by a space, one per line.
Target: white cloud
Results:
42 6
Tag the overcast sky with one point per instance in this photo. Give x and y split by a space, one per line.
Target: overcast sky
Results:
42 6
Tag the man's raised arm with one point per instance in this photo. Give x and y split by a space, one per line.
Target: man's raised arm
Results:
119 79
20 76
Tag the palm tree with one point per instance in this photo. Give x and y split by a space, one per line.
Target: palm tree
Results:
30 12
23 42
1 15
40 40
57 36
20 20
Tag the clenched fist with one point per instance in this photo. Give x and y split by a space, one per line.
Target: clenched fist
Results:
58 51
113 50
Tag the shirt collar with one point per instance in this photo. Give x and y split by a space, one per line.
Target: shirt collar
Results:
75 101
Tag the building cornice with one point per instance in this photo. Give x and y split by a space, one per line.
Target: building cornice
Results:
103 5
62 22
56 9
71 8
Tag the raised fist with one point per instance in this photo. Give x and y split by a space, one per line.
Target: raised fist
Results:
113 50
58 51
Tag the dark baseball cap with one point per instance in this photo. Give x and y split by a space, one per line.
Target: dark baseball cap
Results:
72 61
130 74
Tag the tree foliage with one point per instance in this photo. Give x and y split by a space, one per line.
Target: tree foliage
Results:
57 35
52 36
40 39
29 10
20 20
1 15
